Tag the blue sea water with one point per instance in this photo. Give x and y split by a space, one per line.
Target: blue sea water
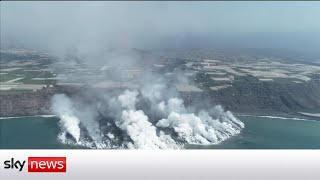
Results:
259 133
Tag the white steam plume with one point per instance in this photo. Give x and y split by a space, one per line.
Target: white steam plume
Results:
176 126
63 107
71 118
153 116
137 126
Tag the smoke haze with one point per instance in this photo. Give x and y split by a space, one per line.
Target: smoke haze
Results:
150 114
92 26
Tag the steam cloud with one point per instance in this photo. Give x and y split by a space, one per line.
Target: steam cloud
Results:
69 123
151 118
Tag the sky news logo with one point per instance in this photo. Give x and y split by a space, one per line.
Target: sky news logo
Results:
38 164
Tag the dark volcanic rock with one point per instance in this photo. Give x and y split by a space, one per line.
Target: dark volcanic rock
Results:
26 103
265 98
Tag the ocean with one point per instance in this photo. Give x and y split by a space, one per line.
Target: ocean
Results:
259 133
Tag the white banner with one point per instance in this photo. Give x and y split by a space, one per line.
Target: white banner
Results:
163 165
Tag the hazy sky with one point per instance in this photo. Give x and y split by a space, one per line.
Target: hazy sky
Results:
146 24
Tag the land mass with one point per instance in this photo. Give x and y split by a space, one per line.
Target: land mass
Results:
251 84
245 98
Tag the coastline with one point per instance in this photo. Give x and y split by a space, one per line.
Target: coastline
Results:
277 114
279 117
16 117
313 115
270 116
